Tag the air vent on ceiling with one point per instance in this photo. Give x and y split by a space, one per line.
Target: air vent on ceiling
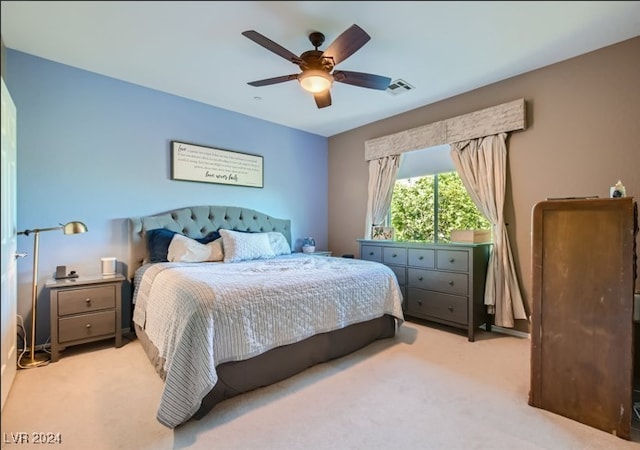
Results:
398 87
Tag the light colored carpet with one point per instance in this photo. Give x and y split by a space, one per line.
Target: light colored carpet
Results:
425 389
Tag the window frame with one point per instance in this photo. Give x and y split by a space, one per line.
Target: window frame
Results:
436 181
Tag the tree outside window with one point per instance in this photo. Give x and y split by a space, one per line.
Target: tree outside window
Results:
428 208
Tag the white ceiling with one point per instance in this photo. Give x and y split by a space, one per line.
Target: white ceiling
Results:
196 50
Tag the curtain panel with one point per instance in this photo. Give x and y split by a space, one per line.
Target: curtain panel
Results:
482 166
382 178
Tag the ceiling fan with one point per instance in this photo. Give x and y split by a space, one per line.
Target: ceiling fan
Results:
317 66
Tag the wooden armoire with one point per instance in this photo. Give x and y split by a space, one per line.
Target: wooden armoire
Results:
582 329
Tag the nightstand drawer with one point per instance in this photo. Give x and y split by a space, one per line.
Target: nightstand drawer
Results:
86 300
447 282
86 326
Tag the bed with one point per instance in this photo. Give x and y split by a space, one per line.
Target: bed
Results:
223 306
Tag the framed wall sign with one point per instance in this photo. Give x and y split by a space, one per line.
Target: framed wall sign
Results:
190 162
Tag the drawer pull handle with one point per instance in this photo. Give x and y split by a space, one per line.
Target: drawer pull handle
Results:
419 278
419 302
370 253
420 258
451 283
450 308
452 260
88 301
88 325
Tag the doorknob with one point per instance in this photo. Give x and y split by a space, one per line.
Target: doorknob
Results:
20 255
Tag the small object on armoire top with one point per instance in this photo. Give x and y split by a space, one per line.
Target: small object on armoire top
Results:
617 191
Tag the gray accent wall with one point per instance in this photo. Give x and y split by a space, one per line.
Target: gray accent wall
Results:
583 134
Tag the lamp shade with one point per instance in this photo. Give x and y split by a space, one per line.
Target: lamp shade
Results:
315 81
74 228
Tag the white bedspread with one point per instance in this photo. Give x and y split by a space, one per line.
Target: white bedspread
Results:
200 315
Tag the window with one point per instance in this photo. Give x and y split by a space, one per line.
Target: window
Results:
429 199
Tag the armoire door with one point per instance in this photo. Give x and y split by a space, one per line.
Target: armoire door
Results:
582 311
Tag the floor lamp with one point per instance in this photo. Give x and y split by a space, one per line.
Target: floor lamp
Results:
32 360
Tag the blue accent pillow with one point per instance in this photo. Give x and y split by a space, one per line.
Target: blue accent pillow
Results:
209 237
158 241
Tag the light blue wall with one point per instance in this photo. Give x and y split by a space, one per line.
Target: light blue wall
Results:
95 149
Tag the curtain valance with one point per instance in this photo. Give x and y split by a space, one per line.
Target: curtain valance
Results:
486 122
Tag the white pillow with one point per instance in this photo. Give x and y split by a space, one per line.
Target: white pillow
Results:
239 246
279 243
216 250
184 249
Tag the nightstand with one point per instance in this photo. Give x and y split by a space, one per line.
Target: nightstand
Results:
318 253
85 309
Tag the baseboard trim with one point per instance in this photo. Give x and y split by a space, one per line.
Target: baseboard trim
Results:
511 332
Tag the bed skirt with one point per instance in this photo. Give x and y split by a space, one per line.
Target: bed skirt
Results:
237 377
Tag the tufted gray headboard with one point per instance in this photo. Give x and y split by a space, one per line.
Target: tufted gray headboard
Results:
197 222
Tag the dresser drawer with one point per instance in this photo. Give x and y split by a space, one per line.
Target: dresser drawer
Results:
422 258
83 300
371 253
451 308
401 274
447 282
453 260
86 326
393 255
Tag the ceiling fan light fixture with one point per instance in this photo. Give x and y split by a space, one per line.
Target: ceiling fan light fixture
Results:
315 81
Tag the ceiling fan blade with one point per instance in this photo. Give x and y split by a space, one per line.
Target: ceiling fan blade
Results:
346 44
365 80
275 80
323 99
272 46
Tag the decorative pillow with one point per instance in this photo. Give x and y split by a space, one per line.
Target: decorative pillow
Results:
209 237
159 239
184 249
239 246
279 243
217 254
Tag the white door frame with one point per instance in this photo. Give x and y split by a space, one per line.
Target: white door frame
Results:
8 238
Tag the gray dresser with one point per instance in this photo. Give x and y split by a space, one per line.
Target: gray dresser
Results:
441 283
